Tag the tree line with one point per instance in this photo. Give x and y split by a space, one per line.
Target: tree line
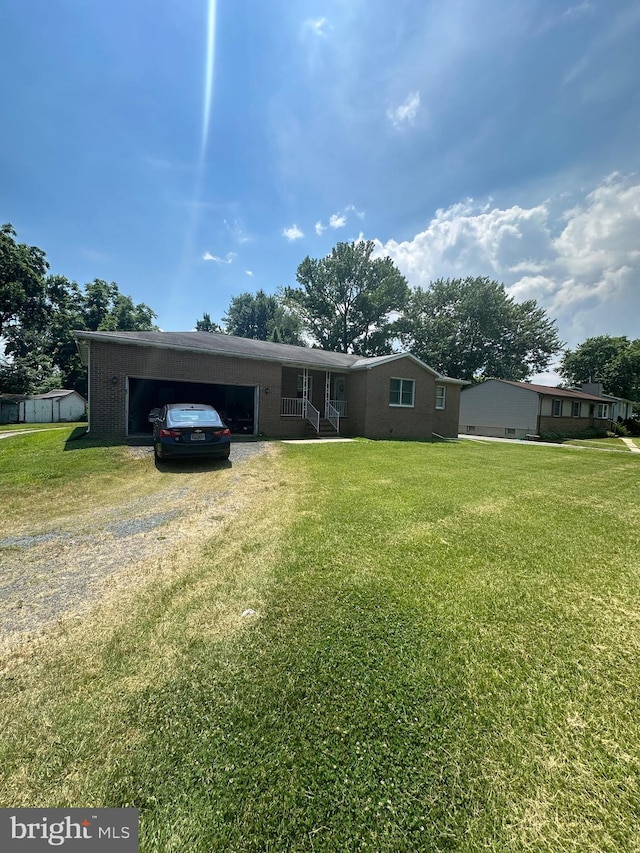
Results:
38 313
468 328
350 301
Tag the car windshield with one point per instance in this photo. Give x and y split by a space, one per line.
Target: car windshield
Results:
193 417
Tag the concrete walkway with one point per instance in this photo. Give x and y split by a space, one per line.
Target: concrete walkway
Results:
314 440
632 447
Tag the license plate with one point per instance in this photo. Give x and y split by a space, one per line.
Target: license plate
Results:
198 436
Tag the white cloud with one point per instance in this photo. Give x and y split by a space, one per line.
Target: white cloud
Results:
293 233
236 230
582 267
578 10
317 26
228 259
338 220
406 112
351 208
249 272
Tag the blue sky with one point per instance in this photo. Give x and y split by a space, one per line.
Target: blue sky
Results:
193 150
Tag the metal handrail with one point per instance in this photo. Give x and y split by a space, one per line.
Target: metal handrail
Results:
313 416
332 415
292 407
340 406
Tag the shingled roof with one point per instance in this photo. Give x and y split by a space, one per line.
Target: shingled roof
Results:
229 345
550 391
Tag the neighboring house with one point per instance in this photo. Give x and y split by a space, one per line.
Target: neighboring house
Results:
57 406
263 388
620 407
507 409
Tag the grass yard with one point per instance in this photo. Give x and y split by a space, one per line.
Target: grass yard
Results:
444 657
31 427
603 443
51 473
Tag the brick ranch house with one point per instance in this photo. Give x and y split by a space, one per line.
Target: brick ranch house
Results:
262 388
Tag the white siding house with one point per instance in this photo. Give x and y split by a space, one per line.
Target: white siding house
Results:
498 409
506 409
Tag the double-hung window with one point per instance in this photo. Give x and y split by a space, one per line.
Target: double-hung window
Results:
602 411
441 396
575 409
401 392
556 409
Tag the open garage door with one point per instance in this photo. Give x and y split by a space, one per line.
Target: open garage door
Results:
235 403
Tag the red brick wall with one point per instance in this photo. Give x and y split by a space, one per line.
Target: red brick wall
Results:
109 362
367 391
420 421
551 424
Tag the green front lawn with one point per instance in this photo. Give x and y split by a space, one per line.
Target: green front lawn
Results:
444 657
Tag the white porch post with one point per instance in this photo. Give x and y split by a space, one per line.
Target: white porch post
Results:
305 391
327 390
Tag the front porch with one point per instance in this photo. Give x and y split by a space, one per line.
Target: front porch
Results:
317 397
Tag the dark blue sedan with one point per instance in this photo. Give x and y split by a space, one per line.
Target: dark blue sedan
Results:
190 429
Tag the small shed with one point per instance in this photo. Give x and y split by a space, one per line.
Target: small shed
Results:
56 406
10 408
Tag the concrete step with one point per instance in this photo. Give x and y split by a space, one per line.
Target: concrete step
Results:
326 430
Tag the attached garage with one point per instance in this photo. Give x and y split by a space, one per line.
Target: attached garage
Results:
237 404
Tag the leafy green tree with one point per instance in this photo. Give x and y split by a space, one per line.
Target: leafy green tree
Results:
31 372
22 271
613 361
41 352
105 309
347 301
262 317
207 324
470 328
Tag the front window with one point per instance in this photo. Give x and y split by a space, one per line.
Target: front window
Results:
441 396
401 392
557 408
575 411
602 411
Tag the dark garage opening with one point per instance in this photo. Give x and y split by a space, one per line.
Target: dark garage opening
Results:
235 403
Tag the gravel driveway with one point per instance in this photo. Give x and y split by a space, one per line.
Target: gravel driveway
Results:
51 574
